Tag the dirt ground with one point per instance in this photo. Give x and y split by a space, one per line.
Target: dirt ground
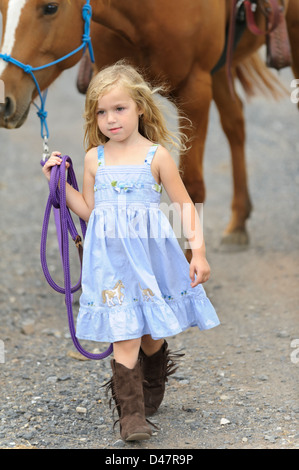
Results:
237 385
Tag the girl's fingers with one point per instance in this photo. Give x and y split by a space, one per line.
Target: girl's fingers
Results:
52 162
55 159
196 281
202 276
192 273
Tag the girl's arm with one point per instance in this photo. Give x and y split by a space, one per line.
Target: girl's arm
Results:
81 204
169 175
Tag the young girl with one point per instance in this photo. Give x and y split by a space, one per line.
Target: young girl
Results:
136 287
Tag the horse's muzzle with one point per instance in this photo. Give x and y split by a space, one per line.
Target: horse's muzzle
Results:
9 117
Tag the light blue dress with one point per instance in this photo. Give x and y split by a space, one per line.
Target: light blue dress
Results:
135 277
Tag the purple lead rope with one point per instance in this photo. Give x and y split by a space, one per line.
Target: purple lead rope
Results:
65 224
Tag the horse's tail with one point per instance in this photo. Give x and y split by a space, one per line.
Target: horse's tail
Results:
147 290
104 296
256 78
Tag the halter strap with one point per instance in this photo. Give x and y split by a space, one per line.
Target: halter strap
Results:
101 156
150 154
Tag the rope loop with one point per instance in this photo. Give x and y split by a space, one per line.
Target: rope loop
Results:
42 114
86 38
27 68
86 12
65 226
6 57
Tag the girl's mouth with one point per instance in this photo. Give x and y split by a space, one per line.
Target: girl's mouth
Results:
114 130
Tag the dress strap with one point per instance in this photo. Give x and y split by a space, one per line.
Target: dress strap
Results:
101 157
150 154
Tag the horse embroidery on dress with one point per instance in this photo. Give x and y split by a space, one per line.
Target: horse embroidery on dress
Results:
146 293
109 295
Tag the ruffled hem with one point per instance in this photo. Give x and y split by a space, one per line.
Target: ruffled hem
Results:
158 320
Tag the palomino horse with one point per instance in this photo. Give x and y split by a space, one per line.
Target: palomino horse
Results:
179 42
109 295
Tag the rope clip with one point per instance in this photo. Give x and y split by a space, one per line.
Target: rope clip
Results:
46 152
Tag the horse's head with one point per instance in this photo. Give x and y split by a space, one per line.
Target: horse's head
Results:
35 32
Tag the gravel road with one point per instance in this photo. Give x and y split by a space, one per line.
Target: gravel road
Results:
237 386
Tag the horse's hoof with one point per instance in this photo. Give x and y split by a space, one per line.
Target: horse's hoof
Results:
235 241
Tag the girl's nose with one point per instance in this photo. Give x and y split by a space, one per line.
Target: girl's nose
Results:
110 117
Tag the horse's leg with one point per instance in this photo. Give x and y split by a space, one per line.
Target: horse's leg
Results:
195 97
232 121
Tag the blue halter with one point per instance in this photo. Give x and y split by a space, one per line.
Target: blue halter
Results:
86 41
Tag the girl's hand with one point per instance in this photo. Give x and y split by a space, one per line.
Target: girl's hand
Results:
54 159
201 268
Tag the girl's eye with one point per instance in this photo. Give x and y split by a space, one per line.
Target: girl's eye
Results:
120 108
100 112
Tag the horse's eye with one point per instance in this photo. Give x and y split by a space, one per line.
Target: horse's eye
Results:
50 8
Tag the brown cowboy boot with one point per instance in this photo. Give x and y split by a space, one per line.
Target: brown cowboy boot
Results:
126 386
156 370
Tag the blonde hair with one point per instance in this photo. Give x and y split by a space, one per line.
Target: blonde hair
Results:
152 124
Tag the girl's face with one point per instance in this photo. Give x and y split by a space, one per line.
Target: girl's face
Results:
118 115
